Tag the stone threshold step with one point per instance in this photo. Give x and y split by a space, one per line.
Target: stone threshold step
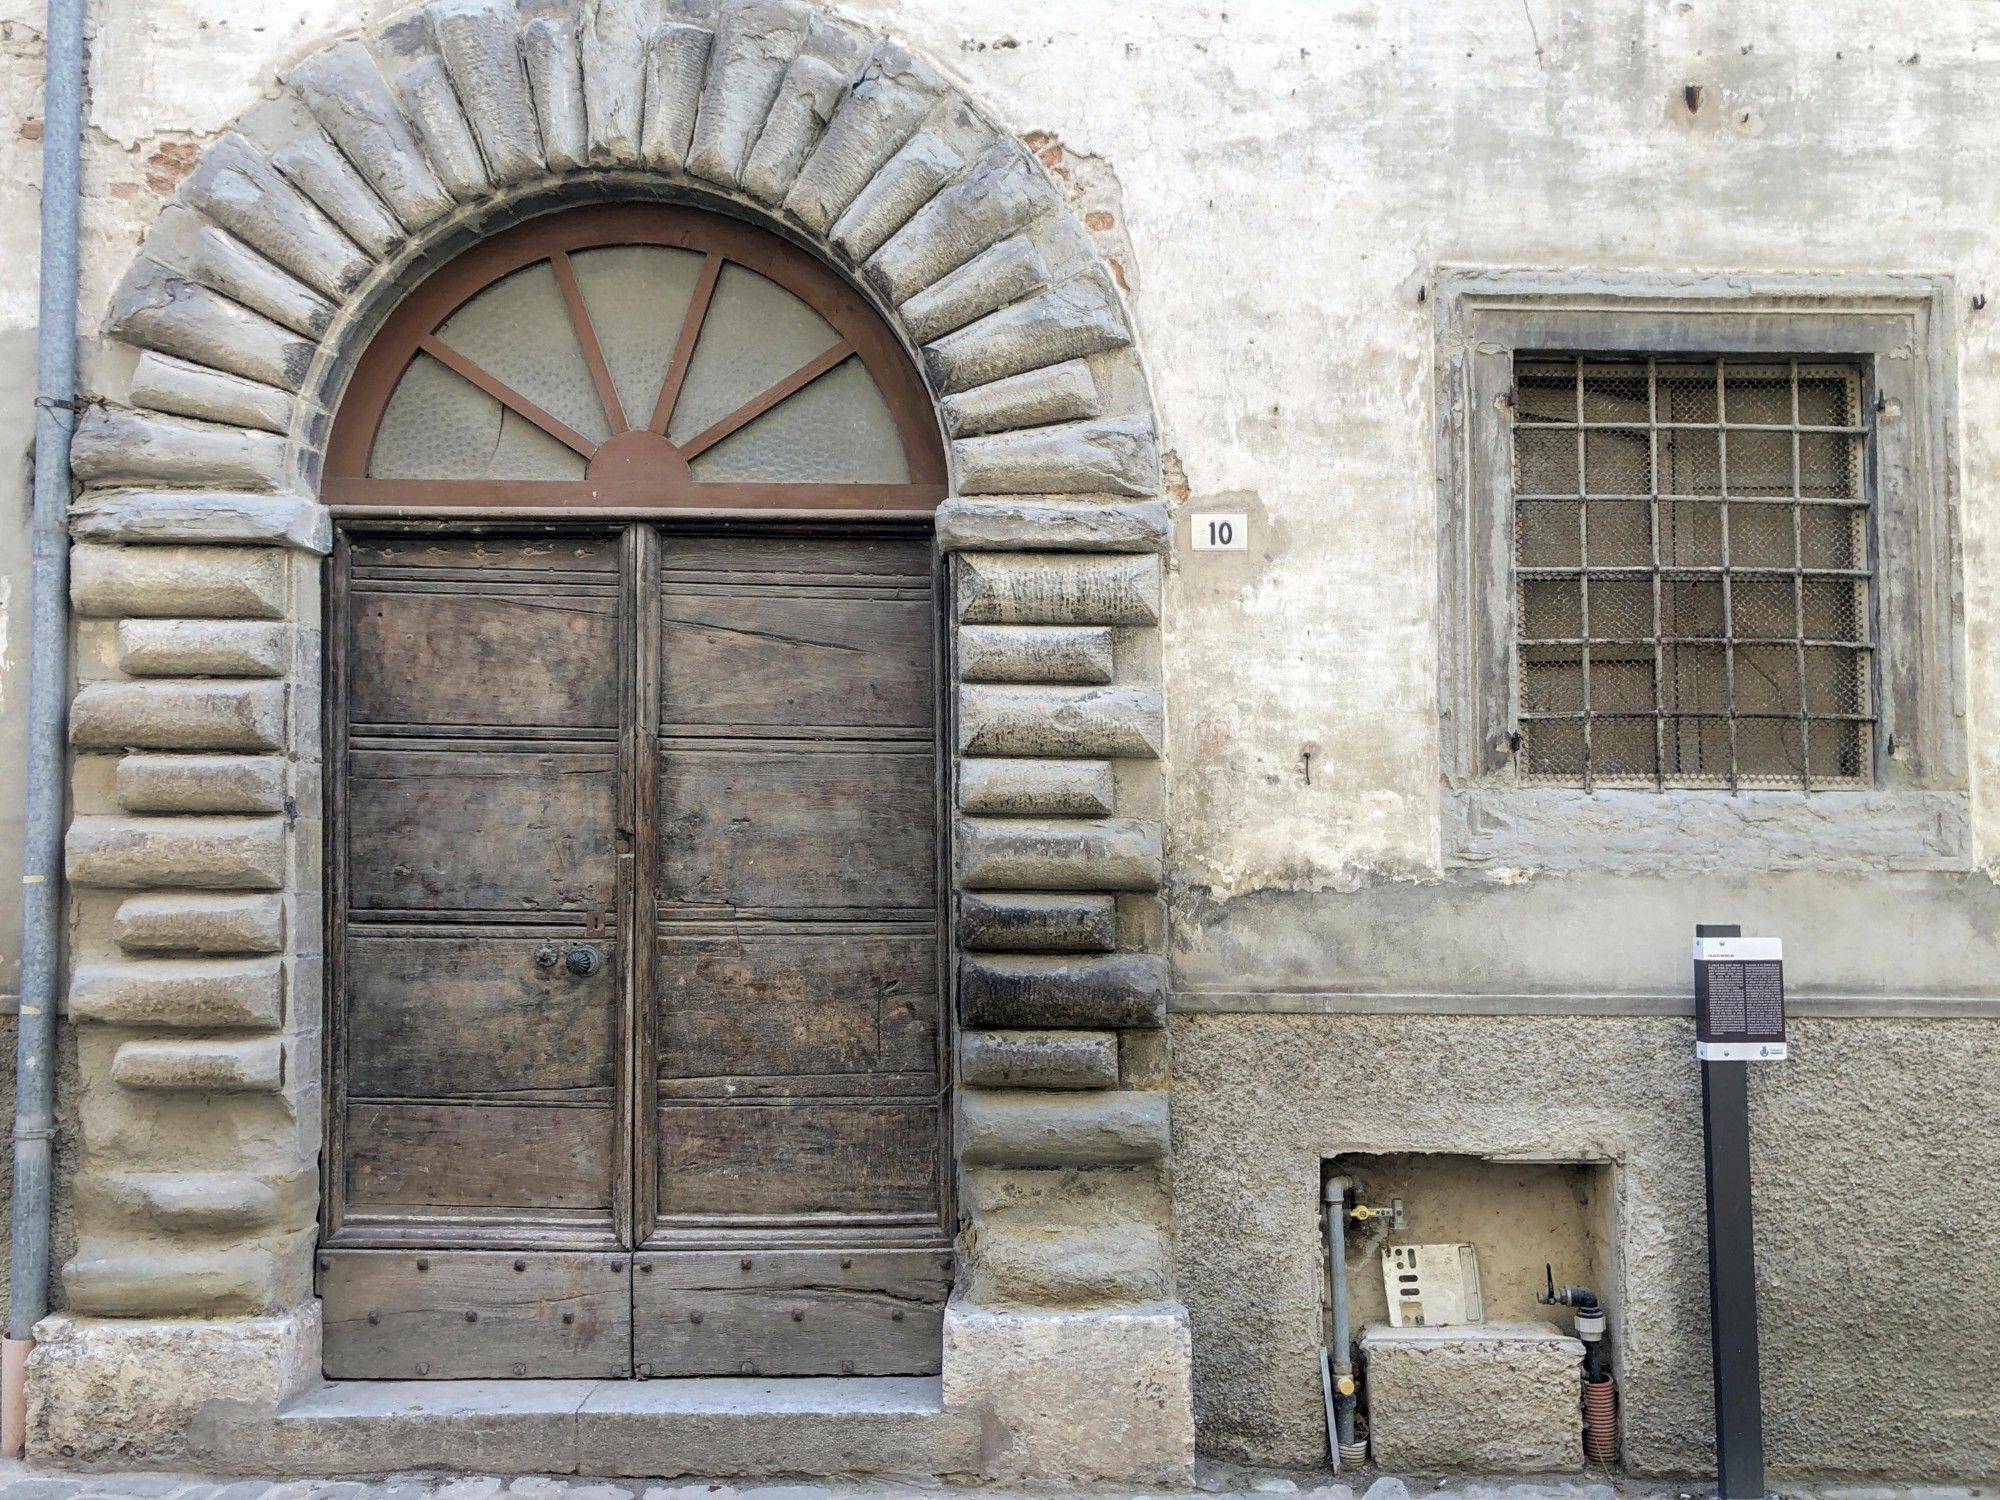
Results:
736 1427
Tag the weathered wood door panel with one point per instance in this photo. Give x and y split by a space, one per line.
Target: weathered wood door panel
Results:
796 1023
791 1312
477 1315
826 1000
519 1029
478 1053
538 821
636 945
835 829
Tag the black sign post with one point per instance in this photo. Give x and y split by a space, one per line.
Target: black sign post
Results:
1739 1016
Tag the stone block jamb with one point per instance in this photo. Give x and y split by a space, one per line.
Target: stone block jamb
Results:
195 856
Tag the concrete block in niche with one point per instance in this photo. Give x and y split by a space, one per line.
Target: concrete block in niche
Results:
1486 1398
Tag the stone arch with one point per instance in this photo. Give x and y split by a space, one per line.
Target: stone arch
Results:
381 154
195 848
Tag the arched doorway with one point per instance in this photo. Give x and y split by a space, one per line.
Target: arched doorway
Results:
637 1054
208 470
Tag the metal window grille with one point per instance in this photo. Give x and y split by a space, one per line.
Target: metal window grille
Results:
1693 573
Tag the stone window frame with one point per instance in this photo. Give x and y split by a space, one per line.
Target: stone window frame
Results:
1900 327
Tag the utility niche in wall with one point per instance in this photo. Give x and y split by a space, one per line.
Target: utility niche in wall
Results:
1521 1216
1477 1294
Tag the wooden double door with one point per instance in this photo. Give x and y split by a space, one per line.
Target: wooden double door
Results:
636 1055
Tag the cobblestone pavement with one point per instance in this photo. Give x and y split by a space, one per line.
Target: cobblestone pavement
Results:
1215 1482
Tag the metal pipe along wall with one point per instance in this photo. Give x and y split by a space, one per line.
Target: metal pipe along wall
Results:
48 699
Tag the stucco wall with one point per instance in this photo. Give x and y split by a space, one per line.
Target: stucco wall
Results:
1286 177
1289 176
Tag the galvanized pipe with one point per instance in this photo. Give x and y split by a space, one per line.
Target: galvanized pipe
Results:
48 701
1335 1195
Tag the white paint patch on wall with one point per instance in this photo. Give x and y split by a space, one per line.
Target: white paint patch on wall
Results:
20 162
6 657
194 65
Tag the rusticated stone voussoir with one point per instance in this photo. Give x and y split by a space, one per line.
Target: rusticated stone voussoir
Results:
212 854
1110 991
183 388
159 309
237 188
1046 333
345 90
1023 1128
1115 455
116 445
1058 854
1060 393
195 715
379 139
1038 921
554 65
1037 787
482 56
315 166
188 993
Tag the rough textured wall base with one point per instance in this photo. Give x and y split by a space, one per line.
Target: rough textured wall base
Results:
1870 1127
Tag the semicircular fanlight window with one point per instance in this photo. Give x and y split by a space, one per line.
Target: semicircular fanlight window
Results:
534 375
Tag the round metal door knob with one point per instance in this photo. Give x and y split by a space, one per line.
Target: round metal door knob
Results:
582 961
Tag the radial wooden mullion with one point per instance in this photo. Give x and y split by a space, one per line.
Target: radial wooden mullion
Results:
505 394
757 405
586 338
691 324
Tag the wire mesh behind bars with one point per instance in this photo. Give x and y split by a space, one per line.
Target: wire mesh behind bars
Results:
1692 558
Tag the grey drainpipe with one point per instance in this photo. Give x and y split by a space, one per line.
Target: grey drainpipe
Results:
48 702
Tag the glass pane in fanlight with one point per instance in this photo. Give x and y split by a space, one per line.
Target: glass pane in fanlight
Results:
836 431
637 296
518 331
755 335
438 426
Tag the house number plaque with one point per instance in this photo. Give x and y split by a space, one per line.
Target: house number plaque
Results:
1220 531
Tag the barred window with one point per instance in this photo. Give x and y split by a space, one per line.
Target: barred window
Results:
1694 573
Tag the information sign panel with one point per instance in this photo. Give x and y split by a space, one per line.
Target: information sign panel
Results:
1739 999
